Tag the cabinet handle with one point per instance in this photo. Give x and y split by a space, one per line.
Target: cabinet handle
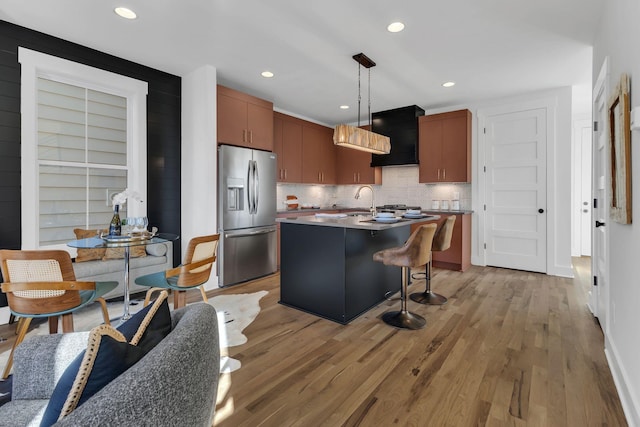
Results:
244 135
438 174
354 177
285 174
444 174
250 137
358 176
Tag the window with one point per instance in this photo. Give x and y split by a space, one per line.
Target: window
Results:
83 140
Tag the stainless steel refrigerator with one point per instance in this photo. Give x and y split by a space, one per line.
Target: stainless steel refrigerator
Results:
246 214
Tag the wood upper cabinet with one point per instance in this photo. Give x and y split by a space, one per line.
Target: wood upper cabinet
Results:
354 167
287 144
318 154
445 147
244 120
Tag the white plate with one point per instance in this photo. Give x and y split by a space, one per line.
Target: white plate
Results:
386 219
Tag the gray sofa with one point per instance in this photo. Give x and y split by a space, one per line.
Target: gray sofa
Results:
113 269
175 384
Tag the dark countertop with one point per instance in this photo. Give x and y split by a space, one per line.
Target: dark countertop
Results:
357 221
323 209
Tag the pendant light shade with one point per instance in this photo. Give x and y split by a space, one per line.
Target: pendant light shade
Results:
355 137
361 139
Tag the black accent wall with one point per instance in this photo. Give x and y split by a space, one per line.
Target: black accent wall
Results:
163 130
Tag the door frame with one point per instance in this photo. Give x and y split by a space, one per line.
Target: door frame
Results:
601 91
579 238
552 105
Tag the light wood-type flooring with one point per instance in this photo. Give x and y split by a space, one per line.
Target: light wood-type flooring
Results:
510 348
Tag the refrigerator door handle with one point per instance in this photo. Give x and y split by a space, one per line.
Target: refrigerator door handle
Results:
250 187
256 183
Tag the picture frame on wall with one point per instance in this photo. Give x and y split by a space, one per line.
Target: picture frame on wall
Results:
620 149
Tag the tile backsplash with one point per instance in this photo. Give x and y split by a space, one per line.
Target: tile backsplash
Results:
399 185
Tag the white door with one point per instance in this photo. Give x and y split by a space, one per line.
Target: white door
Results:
599 293
515 185
585 191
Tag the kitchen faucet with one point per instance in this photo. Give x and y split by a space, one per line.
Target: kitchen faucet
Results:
373 203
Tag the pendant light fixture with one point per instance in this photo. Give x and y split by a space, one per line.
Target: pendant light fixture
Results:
354 137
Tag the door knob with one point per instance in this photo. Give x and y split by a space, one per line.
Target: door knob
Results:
599 224
585 210
540 210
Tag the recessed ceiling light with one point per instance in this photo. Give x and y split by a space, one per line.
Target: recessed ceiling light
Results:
125 13
344 107
395 27
267 74
448 84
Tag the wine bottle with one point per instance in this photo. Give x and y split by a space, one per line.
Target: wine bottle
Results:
115 227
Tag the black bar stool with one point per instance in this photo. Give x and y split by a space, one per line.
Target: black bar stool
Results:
416 252
441 242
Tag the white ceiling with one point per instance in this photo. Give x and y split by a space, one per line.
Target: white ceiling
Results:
490 48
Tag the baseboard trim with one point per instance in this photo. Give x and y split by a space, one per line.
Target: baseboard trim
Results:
628 397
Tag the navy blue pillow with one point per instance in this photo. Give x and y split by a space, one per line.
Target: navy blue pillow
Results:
107 356
150 325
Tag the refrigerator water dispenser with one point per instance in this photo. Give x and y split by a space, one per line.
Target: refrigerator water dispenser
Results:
235 194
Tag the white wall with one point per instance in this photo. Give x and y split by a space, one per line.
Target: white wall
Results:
618 39
199 157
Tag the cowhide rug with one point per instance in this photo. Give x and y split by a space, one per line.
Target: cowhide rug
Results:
235 313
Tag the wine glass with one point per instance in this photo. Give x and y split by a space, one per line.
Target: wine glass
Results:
130 224
141 223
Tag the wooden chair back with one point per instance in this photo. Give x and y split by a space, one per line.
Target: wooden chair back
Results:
39 281
198 261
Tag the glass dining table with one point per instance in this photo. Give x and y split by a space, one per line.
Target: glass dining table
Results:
125 242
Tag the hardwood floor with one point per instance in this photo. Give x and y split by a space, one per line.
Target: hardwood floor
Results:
509 348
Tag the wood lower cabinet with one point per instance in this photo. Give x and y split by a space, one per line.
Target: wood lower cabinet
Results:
458 256
244 120
287 144
318 155
445 147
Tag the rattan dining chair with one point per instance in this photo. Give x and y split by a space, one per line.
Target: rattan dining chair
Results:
42 284
193 273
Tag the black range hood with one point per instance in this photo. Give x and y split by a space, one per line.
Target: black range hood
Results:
401 125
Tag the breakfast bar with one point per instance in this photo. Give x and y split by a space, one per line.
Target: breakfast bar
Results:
327 266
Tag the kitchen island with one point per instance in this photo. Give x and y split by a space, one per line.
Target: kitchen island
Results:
327 266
